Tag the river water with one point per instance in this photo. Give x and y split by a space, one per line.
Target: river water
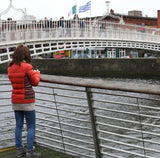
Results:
12 123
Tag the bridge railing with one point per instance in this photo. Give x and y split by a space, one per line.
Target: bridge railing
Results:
43 37
90 118
11 31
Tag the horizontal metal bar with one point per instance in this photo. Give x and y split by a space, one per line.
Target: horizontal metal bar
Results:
6 119
72 104
7 139
124 128
80 154
62 116
48 120
60 109
126 104
128 121
53 146
8 91
50 133
149 89
2 84
64 130
65 103
128 137
118 119
6 98
71 151
129 145
4 80
66 124
129 113
65 143
42 92
112 155
5 105
124 151
7 125
37 98
62 88
116 156
7 132
115 102
126 95
67 96
66 137
75 112
5 112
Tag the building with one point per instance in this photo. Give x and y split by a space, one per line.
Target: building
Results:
135 13
134 17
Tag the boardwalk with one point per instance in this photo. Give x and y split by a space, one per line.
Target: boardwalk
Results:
45 153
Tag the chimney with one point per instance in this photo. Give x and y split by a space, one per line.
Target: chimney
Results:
158 18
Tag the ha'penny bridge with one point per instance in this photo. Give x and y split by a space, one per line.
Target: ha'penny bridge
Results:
43 37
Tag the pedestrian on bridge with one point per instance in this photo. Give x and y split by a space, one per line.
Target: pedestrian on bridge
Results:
68 28
82 27
61 26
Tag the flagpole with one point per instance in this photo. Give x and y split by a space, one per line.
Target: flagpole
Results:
76 7
90 13
90 10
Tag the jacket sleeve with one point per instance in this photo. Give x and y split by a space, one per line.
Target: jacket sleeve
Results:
34 76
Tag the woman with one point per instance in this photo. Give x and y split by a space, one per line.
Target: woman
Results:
23 77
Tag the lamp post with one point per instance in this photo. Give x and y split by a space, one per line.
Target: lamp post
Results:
107 3
16 9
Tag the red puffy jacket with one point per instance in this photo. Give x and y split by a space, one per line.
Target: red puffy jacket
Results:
23 77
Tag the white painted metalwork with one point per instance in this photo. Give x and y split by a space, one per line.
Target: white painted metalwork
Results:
91 119
14 8
46 37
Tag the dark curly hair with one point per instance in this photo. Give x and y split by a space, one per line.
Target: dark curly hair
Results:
21 53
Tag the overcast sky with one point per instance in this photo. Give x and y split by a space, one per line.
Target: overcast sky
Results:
56 8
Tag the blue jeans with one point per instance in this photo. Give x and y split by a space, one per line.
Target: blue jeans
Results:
30 117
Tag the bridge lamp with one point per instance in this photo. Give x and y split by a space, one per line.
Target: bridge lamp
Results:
107 3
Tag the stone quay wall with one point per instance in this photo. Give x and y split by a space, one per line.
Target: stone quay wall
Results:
123 68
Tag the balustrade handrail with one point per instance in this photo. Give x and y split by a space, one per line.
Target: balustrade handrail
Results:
94 83
33 30
9 25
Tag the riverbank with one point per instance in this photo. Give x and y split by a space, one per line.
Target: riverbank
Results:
103 68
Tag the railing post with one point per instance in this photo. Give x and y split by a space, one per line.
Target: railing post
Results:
59 122
141 126
93 122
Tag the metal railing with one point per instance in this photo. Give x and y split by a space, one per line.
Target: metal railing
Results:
45 37
13 31
91 118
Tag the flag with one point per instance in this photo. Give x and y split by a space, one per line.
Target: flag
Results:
73 10
85 7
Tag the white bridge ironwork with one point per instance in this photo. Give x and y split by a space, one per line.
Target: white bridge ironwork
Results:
46 36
